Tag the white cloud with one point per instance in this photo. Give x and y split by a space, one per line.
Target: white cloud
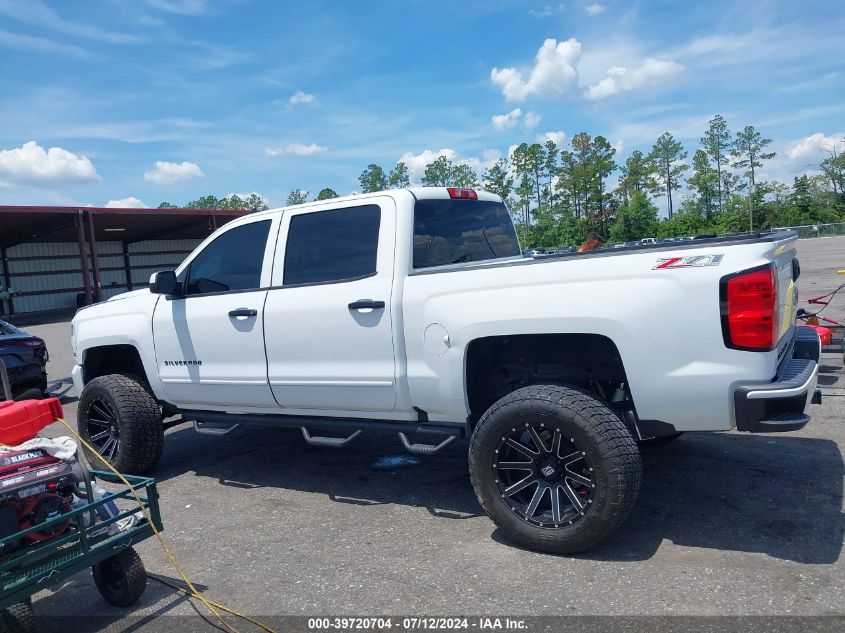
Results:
546 11
36 13
244 196
167 173
505 121
40 44
417 162
304 150
214 57
621 79
31 163
532 120
595 8
300 97
556 137
295 148
618 145
490 156
181 7
552 74
130 202
816 145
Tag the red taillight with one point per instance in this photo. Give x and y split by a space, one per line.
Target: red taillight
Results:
749 309
462 194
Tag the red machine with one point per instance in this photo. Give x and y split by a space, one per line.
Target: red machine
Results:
21 421
34 486
832 333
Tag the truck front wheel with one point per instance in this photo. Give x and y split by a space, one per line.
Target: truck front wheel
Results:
554 468
118 417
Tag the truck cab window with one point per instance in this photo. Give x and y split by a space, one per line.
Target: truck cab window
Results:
326 246
458 231
231 262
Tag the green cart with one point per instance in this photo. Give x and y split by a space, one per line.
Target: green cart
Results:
103 545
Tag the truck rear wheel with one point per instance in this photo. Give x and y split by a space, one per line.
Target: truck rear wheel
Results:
554 468
118 416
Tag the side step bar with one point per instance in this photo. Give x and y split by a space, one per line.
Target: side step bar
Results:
216 423
425 449
206 428
337 442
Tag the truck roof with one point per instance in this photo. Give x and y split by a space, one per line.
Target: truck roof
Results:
420 193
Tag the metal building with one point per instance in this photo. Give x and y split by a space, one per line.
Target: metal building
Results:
57 258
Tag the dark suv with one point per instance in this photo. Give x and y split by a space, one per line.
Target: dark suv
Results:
25 357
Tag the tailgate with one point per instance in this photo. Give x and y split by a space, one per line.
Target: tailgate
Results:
783 255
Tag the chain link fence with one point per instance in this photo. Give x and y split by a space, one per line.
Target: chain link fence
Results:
807 231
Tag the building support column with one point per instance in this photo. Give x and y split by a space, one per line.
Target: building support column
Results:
8 279
83 256
95 259
127 268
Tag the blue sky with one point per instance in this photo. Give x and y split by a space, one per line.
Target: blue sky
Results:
153 100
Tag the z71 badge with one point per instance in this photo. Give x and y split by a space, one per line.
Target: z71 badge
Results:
690 261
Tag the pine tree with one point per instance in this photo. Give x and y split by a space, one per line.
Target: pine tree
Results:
668 154
748 150
373 179
440 173
717 143
703 183
399 177
498 180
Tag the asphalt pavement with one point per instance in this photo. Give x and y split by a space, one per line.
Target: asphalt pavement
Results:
726 523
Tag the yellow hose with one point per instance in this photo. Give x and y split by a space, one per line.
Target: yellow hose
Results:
190 591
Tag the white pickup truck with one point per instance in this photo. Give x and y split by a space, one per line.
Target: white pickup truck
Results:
414 312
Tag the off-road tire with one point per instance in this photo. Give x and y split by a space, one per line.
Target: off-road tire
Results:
593 428
17 618
121 579
138 418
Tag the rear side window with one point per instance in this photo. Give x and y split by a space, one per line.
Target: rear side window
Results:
231 262
455 231
335 245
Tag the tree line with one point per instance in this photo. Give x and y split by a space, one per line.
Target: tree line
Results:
558 194
252 203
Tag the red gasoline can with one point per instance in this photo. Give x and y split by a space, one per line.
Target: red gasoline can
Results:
20 421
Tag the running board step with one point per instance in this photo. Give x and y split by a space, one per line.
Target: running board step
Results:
336 442
211 428
425 449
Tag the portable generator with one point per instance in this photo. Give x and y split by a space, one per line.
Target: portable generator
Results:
34 487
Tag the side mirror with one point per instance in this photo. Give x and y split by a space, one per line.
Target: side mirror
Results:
164 282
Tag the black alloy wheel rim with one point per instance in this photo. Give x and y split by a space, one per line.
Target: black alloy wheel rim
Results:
543 476
103 428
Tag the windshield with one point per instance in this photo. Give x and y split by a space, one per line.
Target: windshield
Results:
8 328
455 231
